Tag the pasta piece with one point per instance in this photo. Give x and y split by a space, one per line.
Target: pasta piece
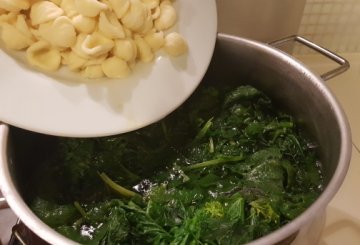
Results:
96 44
89 8
16 33
57 2
155 13
75 62
77 47
110 26
14 38
107 3
155 40
14 5
84 24
135 17
96 61
151 3
23 27
69 8
125 49
92 72
9 18
120 7
128 33
65 57
167 16
175 44
115 67
148 23
43 56
60 33
143 50
44 11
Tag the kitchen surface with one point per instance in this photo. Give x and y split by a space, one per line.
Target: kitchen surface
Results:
333 24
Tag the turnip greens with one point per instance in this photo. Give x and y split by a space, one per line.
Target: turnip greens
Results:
226 168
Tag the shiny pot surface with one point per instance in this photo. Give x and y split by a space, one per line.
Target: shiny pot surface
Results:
290 84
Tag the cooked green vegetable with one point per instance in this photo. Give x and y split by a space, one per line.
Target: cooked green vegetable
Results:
226 168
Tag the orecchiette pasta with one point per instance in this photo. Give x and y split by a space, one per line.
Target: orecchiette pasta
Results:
57 2
9 18
155 40
14 5
155 13
16 34
60 33
148 24
74 61
44 11
120 7
96 61
175 44
22 26
135 17
151 3
95 38
144 50
77 47
43 56
115 68
125 49
84 24
167 16
69 8
96 44
14 38
89 8
110 26
92 72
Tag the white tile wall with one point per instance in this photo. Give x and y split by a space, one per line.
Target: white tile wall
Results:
334 24
262 20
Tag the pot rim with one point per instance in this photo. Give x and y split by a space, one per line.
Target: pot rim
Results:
20 208
16 202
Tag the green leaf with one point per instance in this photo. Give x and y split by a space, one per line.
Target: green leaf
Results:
236 210
54 214
241 93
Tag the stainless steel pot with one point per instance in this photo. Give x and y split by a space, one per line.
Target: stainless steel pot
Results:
284 79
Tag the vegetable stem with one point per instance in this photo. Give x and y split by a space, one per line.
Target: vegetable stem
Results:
213 162
165 131
80 209
211 145
128 173
204 129
116 187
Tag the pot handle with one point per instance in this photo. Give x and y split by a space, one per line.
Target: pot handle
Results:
18 236
3 203
344 64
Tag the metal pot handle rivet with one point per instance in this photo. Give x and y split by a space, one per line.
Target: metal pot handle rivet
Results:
344 64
